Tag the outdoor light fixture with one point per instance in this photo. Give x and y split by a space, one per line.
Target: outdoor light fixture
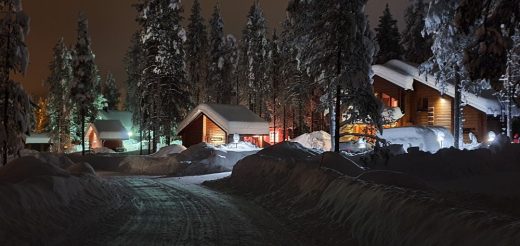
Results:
491 136
130 134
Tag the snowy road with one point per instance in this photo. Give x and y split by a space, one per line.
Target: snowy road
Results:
173 212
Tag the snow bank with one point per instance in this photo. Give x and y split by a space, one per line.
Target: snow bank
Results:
240 146
429 138
335 209
478 171
169 150
316 140
42 203
199 159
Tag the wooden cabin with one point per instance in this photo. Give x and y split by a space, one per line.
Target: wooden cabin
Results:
399 85
106 133
217 124
39 141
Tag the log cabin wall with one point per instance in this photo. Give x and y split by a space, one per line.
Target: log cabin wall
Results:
475 122
193 133
429 108
213 134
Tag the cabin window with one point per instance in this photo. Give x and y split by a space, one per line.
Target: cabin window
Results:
422 105
389 101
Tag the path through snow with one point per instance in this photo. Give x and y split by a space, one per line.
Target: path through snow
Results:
173 212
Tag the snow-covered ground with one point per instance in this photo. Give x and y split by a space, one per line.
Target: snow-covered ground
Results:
46 197
383 207
173 160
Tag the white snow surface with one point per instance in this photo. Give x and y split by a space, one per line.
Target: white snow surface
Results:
427 138
46 197
198 159
319 140
291 181
169 150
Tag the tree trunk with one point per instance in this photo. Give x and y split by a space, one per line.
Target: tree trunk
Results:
149 142
82 132
457 112
332 114
337 119
300 118
274 113
284 134
6 121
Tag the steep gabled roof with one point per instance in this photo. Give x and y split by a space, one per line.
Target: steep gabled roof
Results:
404 75
110 130
231 118
124 117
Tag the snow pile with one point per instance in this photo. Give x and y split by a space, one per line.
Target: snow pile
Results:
290 180
316 140
240 146
103 150
484 171
43 203
199 159
429 138
169 150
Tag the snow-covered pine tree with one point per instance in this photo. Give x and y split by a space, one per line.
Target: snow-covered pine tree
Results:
41 115
229 70
254 61
275 74
216 55
59 103
197 54
416 46
84 88
111 92
15 107
510 93
134 66
388 38
339 44
447 62
490 23
164 87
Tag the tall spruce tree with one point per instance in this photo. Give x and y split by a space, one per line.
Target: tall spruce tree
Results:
197 54
254 61
447 62
134 67
340 47
15 108
85 85
111 92
388 38
217 44
59 103
416 46
165 97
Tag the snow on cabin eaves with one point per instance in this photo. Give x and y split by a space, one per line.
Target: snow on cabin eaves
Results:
110 130
231 118
404 75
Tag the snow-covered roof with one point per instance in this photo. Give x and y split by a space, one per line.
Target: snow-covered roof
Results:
38 138
124 117
110 130
404 75
231 118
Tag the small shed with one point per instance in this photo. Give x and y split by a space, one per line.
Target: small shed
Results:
106 133
218 123
38 141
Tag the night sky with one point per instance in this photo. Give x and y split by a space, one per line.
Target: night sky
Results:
112 24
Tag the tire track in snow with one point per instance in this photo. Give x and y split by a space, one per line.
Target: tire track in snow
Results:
163 212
